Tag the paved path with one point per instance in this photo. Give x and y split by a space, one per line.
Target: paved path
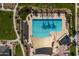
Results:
18 37
76 27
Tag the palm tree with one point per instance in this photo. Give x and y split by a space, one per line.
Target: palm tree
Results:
47 12
51 12
41 11
36 12
58 13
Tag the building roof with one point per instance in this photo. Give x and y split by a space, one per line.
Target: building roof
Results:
65 41
4 51
45 50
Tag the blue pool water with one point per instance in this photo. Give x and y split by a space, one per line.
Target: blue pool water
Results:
43 27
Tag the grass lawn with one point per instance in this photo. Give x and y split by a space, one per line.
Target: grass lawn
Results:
18 50
6 26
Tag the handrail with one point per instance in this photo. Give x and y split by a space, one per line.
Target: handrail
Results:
62 36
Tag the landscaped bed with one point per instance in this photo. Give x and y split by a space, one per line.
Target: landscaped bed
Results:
6 26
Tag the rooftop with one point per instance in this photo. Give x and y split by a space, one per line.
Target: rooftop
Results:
5 51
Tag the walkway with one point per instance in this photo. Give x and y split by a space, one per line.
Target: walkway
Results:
18 37
76 6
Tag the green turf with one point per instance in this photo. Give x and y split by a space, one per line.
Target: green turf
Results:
6 26
18 51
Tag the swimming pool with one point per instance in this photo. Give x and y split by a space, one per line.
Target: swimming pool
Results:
43 27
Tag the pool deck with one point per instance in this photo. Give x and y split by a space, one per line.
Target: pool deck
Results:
47 42
41 42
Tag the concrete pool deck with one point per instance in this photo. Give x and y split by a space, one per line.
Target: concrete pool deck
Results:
47 42
42 42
